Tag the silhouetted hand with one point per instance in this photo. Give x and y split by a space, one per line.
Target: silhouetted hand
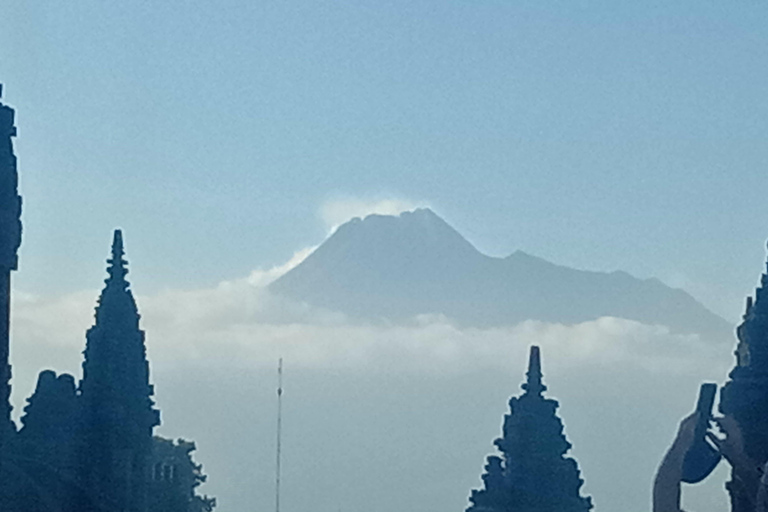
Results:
732 444
686 435
746 472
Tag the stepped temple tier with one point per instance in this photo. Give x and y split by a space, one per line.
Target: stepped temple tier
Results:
745 396
533 473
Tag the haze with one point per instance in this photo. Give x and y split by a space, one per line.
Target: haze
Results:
229 139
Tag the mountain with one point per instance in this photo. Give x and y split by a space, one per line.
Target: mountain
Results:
397 267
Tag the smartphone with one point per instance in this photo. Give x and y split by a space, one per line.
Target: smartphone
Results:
702 458
704 407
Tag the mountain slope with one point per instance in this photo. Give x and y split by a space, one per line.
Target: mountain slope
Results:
386 267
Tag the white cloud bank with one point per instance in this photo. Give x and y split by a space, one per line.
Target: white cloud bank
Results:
239 326
262 278
241 323
632 370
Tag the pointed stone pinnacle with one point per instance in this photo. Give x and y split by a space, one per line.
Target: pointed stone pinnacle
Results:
117 243
533 383
117 265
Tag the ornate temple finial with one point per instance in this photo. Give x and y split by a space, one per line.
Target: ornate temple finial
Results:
116 303
116 313
533 383
117 265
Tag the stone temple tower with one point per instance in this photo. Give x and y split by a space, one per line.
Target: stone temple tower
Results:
533 473
118 415
745 396
10 240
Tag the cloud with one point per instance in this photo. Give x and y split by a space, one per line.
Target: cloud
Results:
262 278
241 323
623 386
338 211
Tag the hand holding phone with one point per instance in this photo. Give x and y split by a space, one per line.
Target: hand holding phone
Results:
702 458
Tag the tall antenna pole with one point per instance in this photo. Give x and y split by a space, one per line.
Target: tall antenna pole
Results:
279 432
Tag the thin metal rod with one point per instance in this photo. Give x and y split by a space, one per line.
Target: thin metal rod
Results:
279 432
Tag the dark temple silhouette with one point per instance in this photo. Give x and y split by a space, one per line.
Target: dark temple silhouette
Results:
10 240
745 396
87 447
533 473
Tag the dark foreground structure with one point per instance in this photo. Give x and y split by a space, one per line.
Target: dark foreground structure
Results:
87 446
533 473
10 240
745 396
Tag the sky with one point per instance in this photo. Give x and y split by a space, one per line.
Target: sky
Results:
227 137
599 135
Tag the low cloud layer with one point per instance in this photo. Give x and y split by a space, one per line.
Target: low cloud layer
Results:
240 322
623 386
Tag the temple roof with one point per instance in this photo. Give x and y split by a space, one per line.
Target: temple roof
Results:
116 303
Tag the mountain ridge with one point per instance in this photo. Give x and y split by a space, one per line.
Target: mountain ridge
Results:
398 267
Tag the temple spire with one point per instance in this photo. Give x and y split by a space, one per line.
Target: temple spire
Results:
533 383
116 303
533 472
745 395
117 268
116 394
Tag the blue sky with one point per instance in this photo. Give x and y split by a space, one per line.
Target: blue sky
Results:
602 135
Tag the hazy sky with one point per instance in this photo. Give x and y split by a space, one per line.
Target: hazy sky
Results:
225 136
603 135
